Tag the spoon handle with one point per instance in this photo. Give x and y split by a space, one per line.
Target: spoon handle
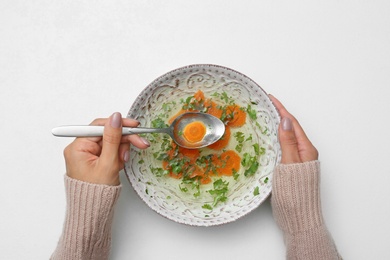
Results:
91 131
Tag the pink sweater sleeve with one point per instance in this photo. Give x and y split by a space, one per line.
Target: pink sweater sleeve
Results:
89 214
296 206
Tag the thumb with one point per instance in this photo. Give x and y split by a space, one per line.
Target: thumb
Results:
288 142
112 138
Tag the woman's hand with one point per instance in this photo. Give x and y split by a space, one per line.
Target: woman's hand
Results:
99 159
296 147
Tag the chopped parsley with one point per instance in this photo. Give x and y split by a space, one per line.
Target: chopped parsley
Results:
219 192
158 171
251 112
207 206
235 174
167 107
250 163
159 123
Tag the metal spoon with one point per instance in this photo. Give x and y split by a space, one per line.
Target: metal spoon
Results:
215 128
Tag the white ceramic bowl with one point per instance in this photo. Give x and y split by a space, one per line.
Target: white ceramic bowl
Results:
163 194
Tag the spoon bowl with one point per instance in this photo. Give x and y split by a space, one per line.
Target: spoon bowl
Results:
214 127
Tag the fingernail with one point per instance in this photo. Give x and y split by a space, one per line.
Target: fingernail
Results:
146 142
116 120
286 124
126 156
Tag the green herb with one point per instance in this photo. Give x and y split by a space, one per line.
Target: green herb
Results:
159 123
251 163
256 191
252 169
257 149
251 112
225 97
240 137
222 96
265 131
192 104
141 161
207 206
235 174
167 107
168 197
266 180
239 148
158 171
183 189
179 165
161 156
166 144
224 117
205 162
219 192
197 193
246 160
194 185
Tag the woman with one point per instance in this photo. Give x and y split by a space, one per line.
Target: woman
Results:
92 189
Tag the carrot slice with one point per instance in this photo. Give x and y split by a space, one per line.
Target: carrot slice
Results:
175 176
192 154
213 109
199 172
223 142
205 179
199 95
227 162
166 166
194 132
238 116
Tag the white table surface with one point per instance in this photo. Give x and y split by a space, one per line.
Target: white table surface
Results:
68 62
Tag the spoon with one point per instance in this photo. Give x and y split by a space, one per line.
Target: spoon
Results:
214 127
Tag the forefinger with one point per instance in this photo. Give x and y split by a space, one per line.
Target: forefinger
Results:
134 139
125 122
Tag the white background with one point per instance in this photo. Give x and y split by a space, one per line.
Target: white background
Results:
68 62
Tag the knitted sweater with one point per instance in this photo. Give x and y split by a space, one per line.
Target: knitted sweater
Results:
296 208
89 213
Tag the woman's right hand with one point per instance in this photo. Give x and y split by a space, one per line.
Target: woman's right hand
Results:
296 146
99 159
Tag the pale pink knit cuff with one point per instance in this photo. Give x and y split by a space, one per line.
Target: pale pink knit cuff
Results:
89 214
296 202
